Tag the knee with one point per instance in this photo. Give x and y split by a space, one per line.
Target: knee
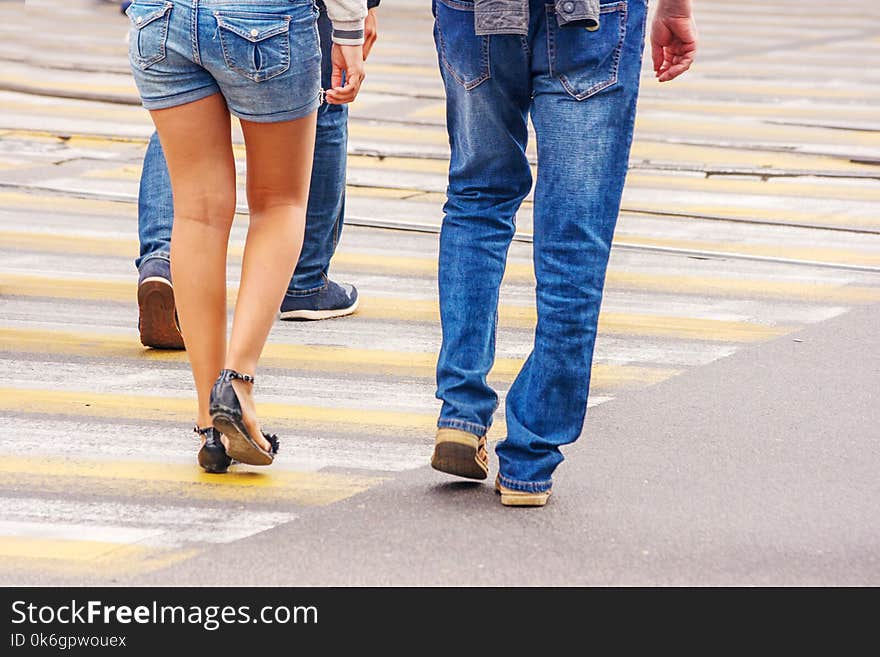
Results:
264 198
208 206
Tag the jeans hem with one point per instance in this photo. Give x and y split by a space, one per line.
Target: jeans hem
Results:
463 425
525 486
160 255
307 293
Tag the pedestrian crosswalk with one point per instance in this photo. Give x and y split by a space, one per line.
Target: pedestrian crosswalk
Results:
750 214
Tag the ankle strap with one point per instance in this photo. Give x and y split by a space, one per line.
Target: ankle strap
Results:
202 432
232 374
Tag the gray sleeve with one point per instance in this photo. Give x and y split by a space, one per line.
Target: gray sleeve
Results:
347 17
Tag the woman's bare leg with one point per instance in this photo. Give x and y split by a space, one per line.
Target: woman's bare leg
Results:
279 167
197 141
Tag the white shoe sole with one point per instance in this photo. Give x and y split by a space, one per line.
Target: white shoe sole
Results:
312 315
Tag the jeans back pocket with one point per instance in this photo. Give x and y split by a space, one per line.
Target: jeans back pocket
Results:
149 32
255 45
586 61
463 54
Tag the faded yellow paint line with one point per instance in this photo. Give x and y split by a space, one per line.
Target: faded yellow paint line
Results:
147 479
414 135
434 111
808 254
180 409
717 285
688 328
96 559
757 110
405 70
76 139
724 210
417 164
726 185
306 357
117 113
133 172
770 88
752 186
521 273
67 243
12 547
425 310
751 131
128 89
67 204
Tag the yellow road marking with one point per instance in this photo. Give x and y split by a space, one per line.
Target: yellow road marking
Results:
612 323
770 88
127 89
180 409
405 70
415 135
754 131
517 272
423 310
679 207
755 110
734 186
67 204
307 357
811 254
746 184
643 149
159 479
70 557
12 547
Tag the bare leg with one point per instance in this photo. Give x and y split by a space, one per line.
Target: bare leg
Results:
197 141
279 167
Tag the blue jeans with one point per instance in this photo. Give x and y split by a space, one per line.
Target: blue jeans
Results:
580 88
326 196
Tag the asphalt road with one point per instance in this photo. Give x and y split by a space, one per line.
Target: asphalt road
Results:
732 433
759 469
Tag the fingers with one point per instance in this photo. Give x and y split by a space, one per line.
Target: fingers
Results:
347 75
675 62
345 94
657 56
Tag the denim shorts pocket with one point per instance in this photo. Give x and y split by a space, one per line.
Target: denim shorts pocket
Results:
255 45
149 32
463 54
586 62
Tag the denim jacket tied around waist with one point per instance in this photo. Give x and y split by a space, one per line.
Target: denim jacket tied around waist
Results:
512 16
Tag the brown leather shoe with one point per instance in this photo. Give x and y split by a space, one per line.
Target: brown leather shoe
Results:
460 453
157 317
510 497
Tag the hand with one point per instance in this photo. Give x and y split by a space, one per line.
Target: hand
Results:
347 60
371 32
673 39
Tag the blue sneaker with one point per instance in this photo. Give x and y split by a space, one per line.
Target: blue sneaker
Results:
334 300
158 318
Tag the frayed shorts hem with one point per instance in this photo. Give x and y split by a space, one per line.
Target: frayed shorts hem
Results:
278 117
168 102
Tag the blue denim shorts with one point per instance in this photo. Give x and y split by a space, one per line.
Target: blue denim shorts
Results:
264 56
